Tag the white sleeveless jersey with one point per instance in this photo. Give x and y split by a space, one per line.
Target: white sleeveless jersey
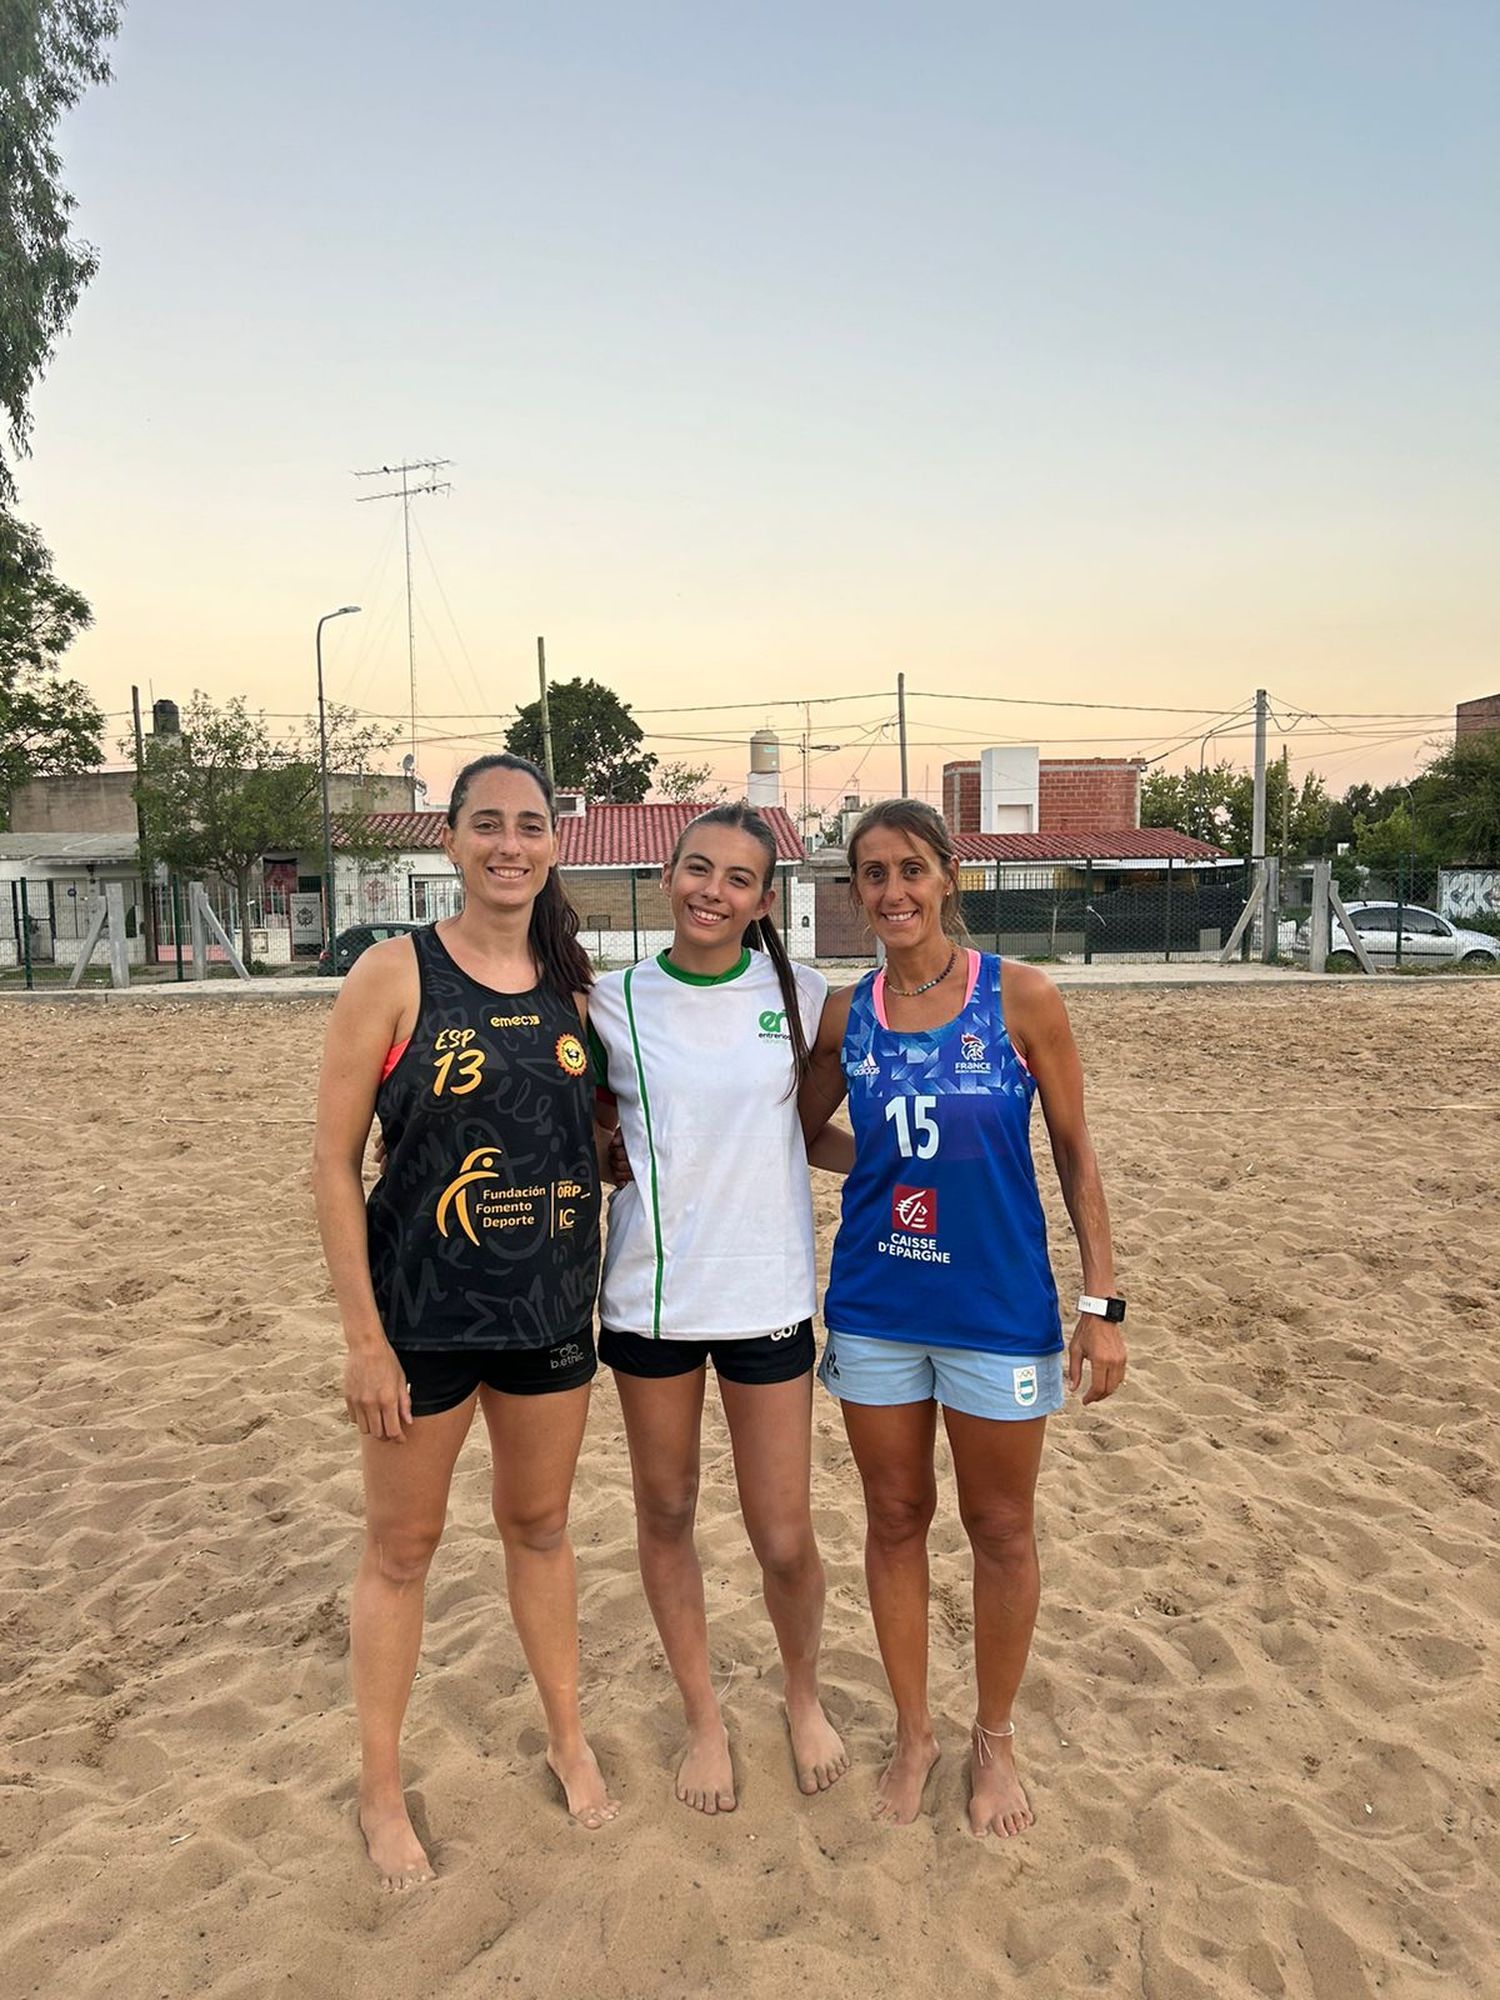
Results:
713 1237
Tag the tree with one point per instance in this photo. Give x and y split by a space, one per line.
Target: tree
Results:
1217 803
224 793
1458 799
50 50
1385 846
1199 802
594 738
688 784
49 727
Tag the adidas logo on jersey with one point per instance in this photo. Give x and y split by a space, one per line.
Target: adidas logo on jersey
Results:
867 1067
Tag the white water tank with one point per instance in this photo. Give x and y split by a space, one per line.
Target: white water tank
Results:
763 787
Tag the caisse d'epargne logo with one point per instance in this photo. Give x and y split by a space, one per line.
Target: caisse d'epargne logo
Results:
914 1211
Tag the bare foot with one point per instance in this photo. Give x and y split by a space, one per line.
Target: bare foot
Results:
576 1769
817 1748
904 1779
399 1858
705 1777
997 1802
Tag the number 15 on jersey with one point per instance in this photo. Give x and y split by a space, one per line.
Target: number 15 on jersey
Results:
916 1126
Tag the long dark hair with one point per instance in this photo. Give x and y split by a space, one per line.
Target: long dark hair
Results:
553 931
762 935
918 822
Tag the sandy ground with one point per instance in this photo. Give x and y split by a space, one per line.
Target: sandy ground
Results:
1257 1725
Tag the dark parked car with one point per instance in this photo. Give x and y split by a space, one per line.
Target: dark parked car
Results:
348 945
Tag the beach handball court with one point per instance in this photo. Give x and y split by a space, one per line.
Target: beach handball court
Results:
1260 1725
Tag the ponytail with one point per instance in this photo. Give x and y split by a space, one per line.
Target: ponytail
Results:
763 935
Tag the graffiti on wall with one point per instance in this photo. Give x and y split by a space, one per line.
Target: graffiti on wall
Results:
1469 892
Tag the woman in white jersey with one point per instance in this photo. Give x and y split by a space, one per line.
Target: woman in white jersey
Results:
698 1054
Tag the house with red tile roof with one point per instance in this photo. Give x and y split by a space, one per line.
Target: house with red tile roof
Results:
610 856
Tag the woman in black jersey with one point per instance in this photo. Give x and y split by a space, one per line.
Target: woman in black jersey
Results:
470 1276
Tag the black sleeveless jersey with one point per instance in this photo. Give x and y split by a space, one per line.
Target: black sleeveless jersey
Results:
484 1228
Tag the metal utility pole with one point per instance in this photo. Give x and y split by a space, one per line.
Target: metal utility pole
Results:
329 921
541 668
901 729
148 865
808 746
406 493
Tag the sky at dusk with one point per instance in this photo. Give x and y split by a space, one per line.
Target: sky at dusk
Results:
1134 356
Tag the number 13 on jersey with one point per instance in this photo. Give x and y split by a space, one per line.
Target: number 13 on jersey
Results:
916 1126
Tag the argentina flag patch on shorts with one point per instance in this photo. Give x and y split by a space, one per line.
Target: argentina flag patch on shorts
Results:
1024 1383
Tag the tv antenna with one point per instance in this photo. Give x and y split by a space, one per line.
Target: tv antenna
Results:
406 492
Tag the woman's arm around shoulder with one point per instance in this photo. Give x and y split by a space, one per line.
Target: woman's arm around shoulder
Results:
823 1088
1037 1022
377 1004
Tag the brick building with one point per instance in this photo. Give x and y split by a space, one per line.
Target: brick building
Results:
1073 795
1474 718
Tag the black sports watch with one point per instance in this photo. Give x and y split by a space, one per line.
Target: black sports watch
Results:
1102 1308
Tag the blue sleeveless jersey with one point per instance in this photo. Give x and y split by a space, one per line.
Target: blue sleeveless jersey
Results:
942 1240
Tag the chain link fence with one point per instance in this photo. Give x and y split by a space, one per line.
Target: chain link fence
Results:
1095 911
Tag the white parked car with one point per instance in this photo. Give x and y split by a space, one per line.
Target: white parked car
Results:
1426 938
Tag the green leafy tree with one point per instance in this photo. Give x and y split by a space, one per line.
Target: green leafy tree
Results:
49 727
1458 800
225 792
50 51
1217 803
688 784
1370 803
1384 846
1197 801
595 742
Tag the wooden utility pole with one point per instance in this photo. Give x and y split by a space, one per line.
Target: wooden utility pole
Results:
901 729
1286 800
541 669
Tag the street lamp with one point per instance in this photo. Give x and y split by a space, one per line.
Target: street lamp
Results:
808 749
343 611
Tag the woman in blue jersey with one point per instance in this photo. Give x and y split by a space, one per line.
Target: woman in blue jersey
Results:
468 1279
710 1256
941 1293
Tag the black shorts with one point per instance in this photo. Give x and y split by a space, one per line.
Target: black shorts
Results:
768 1357
440 1378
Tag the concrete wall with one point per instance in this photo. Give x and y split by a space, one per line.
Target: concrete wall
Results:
103 801
1008 789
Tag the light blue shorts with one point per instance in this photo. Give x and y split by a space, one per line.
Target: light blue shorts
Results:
1010 1387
